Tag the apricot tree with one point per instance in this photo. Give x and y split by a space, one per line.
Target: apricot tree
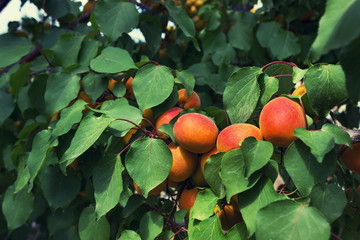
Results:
223 120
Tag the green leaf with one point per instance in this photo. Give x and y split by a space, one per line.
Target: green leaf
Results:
68 117
23 175
265 30
204 205
268 87
348 59
94 85
151 225
152 34
288 219
129 235
61 219
152 85
330 199
252 200
180 17
284 44
319 142
278 70
107 183
123 17
303 168
57 8
187 79
113 60
298 74
326 87
224 56
134 202
41 147
89 130
67 49
241 94
237 232
233 173
340 136
148 162
12 48
91 227
337 27
208 229
17 207
256 154
19 78
241 36
7 106
89 50
59 190
61 88
212 176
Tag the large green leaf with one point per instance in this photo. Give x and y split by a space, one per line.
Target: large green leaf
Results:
207 229
12 48
151 225
282 72
19 78
148 162
212 170
180 17
340 136
265 30
303 168
129 235
61 219
241 94
237 232
204 205
233 169
113 60
337 27
59 190
68 117
284 44
91 227
57 8
115 17
290 220
61 88
107 182
152 34
326 87
252 200
241 36
89 130
17 207
23 175
187 79
330 199
67 49
152 85
7 106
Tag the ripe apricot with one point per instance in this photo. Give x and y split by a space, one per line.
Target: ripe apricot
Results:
205 157
351 158
278 120
229 215
188 102
183 165
195 132
165 118
232 136
187 199
129 134
198 177
154 192
147 114
299 91
129 89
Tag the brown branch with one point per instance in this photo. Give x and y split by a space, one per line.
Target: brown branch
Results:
82 19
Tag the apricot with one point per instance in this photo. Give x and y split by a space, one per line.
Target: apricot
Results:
205 157
301 90
188 102
198 176
278 120
165 118
229 215
129 88
172 184
187 199
183 165
195 132
232 136
351 158
129 134
147 114
154 192
89 6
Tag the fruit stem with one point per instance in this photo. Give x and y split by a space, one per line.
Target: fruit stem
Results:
146 132
227 118
275 62
335 236
282 75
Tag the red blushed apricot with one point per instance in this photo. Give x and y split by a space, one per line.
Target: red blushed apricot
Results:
195 132
183 165
165 118
278 120
351 158
232 136
188 102
154 192
187 199
229 215
198 176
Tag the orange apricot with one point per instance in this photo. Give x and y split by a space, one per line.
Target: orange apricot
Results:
188 102
129 88
229 215
165 118
154 192
148 114
232 136
183 165
89 6
195 132
278 120
351 158
301 90
129 134
187 199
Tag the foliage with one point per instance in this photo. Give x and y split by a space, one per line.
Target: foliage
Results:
75 87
